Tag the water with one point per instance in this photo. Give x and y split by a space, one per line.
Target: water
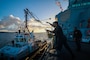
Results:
6 38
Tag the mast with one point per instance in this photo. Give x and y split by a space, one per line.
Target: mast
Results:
26 15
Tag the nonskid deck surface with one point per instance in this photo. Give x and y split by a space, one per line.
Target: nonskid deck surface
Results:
84 54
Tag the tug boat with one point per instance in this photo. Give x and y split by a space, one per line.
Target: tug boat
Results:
22 45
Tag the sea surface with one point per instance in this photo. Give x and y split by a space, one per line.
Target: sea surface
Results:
7 37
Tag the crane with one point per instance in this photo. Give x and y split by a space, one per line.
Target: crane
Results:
29 13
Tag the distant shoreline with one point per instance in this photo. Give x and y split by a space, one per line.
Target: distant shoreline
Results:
16 32
7 32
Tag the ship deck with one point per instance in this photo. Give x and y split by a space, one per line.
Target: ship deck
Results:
84 54
47 53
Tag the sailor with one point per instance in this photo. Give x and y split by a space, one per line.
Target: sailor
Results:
60 39
52 36
77 36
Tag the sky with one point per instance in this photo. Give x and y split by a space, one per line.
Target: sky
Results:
43 9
